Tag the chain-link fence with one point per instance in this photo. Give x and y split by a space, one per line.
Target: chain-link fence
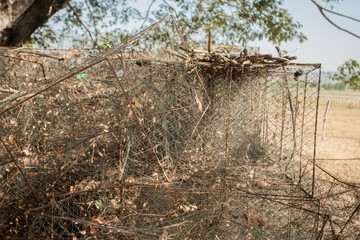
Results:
132 143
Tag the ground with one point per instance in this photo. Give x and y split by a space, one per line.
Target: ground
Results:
339 150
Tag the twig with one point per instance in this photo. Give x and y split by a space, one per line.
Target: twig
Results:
86 29
176 53
209 41
40 54
341 15
336 178
16 162
92 17
27 60
171 7
147 14
356 210
279 51
9 90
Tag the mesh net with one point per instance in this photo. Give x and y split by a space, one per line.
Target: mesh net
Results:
132 143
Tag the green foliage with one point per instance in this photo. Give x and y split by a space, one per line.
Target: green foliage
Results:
105 44
29 43
232 21
349 74
240 21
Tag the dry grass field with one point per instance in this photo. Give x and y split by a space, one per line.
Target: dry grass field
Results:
339 151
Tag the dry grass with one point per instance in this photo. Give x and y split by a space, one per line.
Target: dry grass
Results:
341 92
342 136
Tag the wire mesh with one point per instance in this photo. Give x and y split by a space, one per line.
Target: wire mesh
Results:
132 143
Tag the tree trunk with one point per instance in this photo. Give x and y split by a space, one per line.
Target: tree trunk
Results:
20 18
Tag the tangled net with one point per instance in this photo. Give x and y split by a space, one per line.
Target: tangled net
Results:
149 140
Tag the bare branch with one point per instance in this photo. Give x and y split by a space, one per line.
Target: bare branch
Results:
341 15
147 14
93 19
321 10
86 29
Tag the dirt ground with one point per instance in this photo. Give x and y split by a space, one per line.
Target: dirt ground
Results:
338 144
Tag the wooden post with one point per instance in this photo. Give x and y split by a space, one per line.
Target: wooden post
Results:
325 117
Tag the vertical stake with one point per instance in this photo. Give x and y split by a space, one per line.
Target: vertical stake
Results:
325 117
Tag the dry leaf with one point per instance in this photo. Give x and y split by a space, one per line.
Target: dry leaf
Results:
99 220
164 235
92 231
136 103
198 100
58 153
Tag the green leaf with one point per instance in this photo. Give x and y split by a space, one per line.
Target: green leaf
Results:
82 76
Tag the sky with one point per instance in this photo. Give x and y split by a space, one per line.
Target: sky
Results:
326 44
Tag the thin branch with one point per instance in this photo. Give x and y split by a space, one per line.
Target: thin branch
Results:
147 14
86 29
93 19
321 10
336 178
171 7
17 165
8 90
356 210
341 15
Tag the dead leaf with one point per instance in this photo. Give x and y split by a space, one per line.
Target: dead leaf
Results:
99 220
92 231
198 100
164 235
136 103
58 153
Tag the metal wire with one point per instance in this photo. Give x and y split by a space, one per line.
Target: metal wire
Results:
135 144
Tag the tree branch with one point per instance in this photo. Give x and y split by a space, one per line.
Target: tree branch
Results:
147 14
93 19
86 29
341 15
321 10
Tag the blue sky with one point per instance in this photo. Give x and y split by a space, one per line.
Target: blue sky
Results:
326 44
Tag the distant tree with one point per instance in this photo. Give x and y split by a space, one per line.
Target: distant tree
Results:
333 86
349 73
